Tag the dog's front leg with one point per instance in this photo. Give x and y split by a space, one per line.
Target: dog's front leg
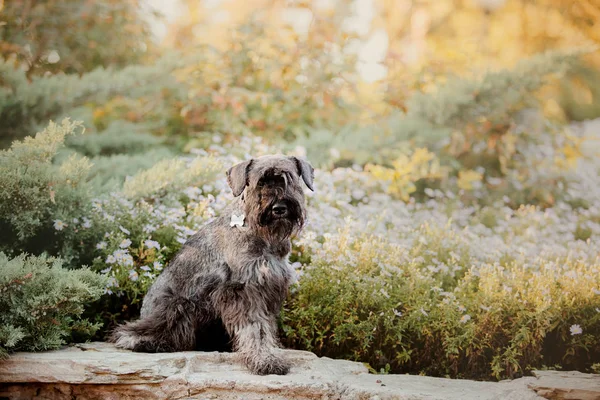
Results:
255 338
256 343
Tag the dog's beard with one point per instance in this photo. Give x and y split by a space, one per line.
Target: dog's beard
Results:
277 229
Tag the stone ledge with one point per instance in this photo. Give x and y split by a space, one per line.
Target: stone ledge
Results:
100 371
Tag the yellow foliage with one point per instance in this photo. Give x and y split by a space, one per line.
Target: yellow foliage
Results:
570 153
421 164
173 174
467 178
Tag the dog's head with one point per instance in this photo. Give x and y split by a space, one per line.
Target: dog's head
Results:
272 194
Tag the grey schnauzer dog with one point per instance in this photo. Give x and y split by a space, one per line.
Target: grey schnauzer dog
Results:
229 280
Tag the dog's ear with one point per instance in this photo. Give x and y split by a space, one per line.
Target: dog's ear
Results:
237 177
306 171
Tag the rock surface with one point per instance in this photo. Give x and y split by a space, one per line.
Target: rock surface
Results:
100 371
570 385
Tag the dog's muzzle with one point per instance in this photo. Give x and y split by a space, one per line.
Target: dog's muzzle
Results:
279 210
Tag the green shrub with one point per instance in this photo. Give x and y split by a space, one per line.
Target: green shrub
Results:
38 198
108 173
119 137
430 310
41 303
25 103
171 175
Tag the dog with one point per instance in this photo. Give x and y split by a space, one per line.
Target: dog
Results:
226 285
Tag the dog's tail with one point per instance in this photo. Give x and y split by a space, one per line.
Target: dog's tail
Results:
170 327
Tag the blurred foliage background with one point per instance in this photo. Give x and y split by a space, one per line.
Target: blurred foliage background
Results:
460 121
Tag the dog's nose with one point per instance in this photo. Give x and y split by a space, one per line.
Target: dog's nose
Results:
279 209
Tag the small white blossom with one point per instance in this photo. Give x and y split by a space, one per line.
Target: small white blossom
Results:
152 244
101 245
149 228
125 243
157 265
108 217
424 312
87 223
59 225
465 318
575 330
133 275
358 194
145 268
125 231
112 282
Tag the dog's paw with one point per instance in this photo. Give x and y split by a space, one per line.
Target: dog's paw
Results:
270 365
124 340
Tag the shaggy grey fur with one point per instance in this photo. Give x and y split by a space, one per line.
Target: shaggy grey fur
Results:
230 282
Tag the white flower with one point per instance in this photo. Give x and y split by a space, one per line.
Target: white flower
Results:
397 313
193 192
75 220
358 194
125 243
102 245
87 223
576 330
465 318
157 265
133 275
462 308
424 312
596 291
59 225
111 259
125 231
384 293
106 270
152 244
145 268
108 217
112 282
149 228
